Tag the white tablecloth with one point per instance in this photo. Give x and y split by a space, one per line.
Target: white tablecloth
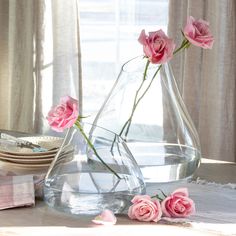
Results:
215 205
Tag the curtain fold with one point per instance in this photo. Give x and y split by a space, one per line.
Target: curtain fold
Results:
20 47
40 60
4 70
206 78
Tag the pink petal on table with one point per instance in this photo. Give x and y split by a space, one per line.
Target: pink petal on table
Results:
107 217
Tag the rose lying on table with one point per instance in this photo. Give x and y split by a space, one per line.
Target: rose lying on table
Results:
146 208
176 205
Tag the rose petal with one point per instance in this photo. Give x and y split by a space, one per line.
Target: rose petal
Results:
107 217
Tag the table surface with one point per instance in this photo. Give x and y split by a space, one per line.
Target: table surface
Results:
42 220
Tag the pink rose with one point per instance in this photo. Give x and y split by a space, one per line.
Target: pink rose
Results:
178 204
197 32
63 115
157 46
107 217
145 209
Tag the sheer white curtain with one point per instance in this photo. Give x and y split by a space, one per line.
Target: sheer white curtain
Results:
109 31
207 77
40 60
40 53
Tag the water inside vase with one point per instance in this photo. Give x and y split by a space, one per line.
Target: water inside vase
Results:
165 162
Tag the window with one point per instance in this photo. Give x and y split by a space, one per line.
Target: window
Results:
109 30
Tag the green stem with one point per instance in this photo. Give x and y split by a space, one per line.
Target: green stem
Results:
113 142
162 193
138 101
185 44
94 150
157 196
136 96
145 71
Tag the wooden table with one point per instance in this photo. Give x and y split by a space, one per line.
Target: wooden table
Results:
42 220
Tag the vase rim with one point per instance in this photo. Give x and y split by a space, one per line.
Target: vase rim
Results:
102 128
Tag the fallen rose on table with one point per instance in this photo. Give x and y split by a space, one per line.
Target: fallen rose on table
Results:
176 205
147 208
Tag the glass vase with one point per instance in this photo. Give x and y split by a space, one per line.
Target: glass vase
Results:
161 135
78 185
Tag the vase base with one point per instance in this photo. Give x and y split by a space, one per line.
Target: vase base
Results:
87 204
67 197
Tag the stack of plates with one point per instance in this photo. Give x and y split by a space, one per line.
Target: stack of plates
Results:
26 157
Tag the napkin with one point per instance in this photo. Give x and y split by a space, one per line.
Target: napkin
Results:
16 191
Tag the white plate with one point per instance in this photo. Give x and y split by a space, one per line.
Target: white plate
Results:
65 157
48 142
26 165
27 161
14 156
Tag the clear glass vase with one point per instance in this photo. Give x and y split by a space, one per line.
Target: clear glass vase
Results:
161 134
77 182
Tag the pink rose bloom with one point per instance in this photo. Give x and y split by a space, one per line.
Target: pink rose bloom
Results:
107 217
63 115
178 204
197 32
157 46
145 209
